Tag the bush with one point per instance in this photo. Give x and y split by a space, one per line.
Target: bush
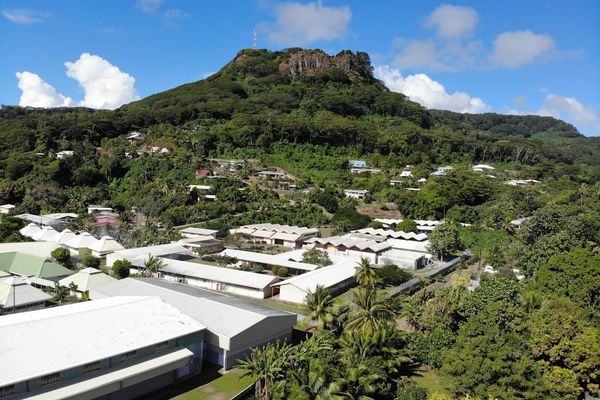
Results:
392 275
257 268
275 269
121 269
245 267
91 262
62 256
282 272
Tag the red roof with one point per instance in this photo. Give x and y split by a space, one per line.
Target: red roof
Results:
202 172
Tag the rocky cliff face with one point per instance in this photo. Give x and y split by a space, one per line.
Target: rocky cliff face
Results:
356 65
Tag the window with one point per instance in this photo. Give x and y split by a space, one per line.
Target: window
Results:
91 367
7 391
161 346
50 379
128 356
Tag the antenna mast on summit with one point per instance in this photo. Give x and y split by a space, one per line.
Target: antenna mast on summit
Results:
254 38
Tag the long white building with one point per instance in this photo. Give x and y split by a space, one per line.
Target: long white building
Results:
276 234
233 325
335 278
229 280
117 348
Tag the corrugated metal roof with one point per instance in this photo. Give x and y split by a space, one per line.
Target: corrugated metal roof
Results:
30 265
156 251
87 279
269 259
38 343
106 244
199 231
224 316
219 274
326 276
350 242
399 244
81 241
15 290
46 234
389 233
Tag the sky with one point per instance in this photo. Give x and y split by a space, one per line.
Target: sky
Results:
514 57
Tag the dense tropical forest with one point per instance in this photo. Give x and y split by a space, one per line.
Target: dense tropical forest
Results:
309 113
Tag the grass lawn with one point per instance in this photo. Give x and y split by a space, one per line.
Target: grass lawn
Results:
432 380
210 385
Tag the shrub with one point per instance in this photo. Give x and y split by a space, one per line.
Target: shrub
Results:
392 275
91 262
62 256
121 269
282 272
257 268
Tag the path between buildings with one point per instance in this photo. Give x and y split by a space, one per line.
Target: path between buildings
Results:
443 268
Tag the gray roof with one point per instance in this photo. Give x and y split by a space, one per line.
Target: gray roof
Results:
225 317
17 290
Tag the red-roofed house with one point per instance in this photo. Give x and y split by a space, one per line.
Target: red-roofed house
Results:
201 173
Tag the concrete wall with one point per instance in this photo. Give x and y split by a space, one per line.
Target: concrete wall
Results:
219 286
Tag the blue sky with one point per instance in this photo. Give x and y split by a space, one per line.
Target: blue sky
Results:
524 57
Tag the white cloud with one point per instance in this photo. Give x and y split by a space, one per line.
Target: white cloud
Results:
300 24
452 22
38 93
429 93
149 6
25 17
572 110
104 84
518 48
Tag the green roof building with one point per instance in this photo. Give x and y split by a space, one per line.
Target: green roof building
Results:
23 264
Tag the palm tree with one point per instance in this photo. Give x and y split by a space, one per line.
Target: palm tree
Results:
267 366
319 305
366 273
153 265
313 386
359 381
372 313
60 293
531 300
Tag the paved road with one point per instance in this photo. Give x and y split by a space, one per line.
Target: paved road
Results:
440 269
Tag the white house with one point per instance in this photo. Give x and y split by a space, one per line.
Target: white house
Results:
228 280
482 168
271 175
61 155
6 208
192 232
356 193
365 170
16 295
66 218
406 174
105 245
86 279
81 241
92 208
46 234
277 234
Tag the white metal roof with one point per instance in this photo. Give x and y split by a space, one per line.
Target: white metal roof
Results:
199 231
30 230
60 215
87 279
224 316
37 343
269 259
156 251
81 241
46 234
389 233
326 276
106 244
64 236
41 249
350 242
300 230
411 245
218 274
15 290
38 219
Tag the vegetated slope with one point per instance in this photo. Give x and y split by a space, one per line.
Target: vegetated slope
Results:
302 96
